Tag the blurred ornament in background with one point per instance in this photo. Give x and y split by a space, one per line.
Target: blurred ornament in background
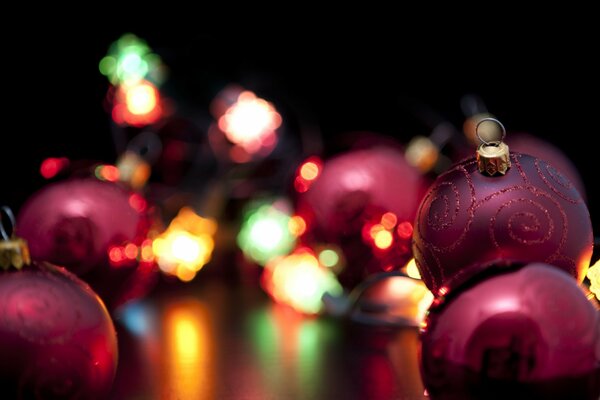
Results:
268 230
514 331
468 218
56 337
98 230
363 201
544 150
186 245
300 280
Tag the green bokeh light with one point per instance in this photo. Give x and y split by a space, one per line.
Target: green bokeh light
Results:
265 234
130 60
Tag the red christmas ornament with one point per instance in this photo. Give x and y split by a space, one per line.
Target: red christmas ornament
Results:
365 202
79 223
468 218
526 333
56 337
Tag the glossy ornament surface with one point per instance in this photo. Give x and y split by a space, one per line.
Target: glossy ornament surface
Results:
56 337
77 223
528 333
365 202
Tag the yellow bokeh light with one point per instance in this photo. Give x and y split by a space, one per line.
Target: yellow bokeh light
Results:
140 98
297 225
186 246
309 171
593 275
383 239
412 270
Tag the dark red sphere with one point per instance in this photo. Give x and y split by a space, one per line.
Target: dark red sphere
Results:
533 213
56 338
351 195
528 333
75 223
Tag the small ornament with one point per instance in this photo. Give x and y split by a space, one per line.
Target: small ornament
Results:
474 214
512 333
56 337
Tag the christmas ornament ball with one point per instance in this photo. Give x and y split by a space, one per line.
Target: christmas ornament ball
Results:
56 337
358 194
75 223
467 218
527 333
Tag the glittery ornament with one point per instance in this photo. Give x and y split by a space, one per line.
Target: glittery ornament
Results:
468 218
512 333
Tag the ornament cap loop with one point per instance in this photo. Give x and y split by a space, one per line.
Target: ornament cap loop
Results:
13 250
489 119
493 157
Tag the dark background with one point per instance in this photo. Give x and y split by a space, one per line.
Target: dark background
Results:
540 83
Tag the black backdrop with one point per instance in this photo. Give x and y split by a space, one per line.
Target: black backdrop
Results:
544 85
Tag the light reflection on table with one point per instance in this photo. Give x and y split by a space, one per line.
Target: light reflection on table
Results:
220 342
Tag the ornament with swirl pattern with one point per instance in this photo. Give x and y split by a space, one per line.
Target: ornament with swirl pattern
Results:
56 337
500 206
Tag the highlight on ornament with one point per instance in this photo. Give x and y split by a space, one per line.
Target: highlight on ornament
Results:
268 230
186 245
300 281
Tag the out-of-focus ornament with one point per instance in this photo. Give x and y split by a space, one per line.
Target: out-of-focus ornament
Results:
98 230
186 245
500 206
56 337
363 201
539 148
526 333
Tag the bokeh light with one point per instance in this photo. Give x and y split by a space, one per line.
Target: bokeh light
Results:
299 281
593 275
137 104
186 245
307 173
51 166
251 124
412 270
266 231
130 60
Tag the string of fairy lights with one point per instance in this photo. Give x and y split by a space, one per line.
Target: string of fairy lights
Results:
272 232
